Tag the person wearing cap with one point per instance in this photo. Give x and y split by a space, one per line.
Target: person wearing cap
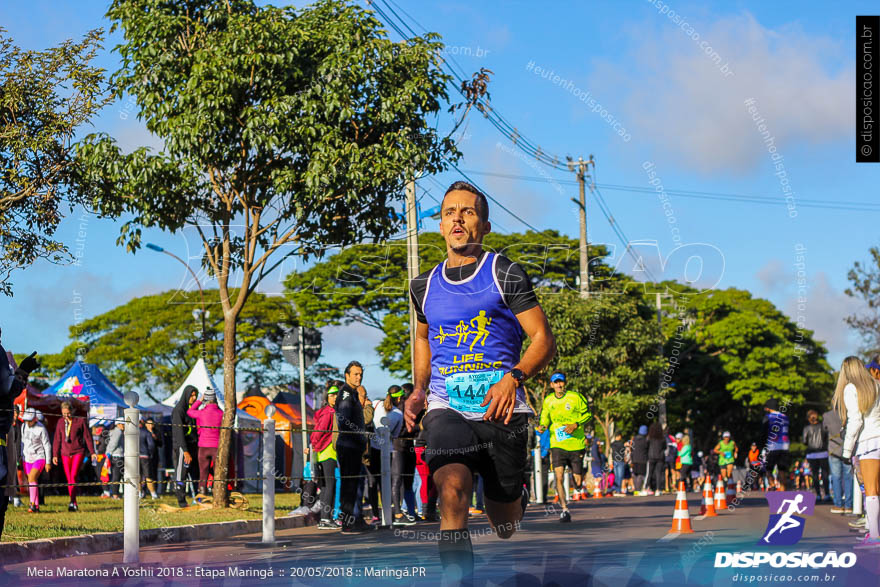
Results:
72 443
36 452
777 447
640 460
727 452
208 418
323 441
184 443
564 413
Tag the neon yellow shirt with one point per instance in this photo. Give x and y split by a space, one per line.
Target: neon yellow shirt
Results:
557 413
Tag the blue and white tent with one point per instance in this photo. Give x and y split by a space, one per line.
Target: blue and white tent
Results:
85 381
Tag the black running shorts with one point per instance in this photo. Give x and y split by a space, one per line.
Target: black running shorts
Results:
778 458
497 452
573 458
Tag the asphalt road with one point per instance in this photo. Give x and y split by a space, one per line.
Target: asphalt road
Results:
612 541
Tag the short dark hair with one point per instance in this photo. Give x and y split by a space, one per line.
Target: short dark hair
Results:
482 200
353 364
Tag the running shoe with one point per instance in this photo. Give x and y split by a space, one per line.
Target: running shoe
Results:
71 507
869 542
847 511
837 510
474 511
859 523
33 510
300 511
404 520
327 525
657 493
316 508
565 517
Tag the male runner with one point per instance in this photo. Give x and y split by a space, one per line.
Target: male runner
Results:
565 413
727 452
776 431
477 419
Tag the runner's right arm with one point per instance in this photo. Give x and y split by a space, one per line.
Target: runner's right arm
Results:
422 375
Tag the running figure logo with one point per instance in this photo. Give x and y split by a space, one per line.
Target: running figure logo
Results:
463 331
786 526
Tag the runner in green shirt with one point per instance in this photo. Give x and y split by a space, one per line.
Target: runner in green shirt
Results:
727 453
564 414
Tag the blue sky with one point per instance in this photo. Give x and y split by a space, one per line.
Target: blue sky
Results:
648 75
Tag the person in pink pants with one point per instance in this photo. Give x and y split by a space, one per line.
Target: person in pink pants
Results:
72 443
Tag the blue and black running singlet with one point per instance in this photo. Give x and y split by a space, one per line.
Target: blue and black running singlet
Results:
475 339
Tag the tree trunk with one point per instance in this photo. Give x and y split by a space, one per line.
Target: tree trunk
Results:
221 467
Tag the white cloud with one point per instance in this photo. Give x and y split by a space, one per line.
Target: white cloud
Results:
824 311
678 102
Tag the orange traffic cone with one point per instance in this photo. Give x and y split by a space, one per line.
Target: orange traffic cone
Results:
681 517
731 490
708 508
597 492
739 489
720 499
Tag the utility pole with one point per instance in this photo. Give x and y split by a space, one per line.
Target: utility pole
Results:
662 406
580 167
412 262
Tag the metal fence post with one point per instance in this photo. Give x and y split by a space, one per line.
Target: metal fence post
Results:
132 481
385 454
269 477
268 483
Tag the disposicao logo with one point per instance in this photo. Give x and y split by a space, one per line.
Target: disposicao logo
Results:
786 526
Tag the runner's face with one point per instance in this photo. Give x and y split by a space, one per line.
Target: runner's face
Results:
331 400
460 222
558 387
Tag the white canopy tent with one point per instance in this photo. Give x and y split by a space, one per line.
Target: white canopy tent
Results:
201 380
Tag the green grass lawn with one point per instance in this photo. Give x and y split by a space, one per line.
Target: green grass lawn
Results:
105 515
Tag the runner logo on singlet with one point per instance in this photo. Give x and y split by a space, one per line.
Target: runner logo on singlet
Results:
786 526
477 326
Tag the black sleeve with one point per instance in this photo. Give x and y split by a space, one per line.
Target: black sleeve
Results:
417 289
516 285
177 435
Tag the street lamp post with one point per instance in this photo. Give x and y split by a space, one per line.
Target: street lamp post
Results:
204 312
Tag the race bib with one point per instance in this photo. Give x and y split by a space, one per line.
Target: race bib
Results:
728 454
467 391
562 435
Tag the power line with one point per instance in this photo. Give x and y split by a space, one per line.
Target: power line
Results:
496 119
744 198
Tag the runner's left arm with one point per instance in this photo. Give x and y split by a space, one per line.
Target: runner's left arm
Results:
502 396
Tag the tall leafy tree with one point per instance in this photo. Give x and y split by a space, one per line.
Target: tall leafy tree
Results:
864 281
727 353
284 130
150 343
45 98
608 346
367 283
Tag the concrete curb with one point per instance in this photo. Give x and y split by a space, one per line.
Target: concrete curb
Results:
54 548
